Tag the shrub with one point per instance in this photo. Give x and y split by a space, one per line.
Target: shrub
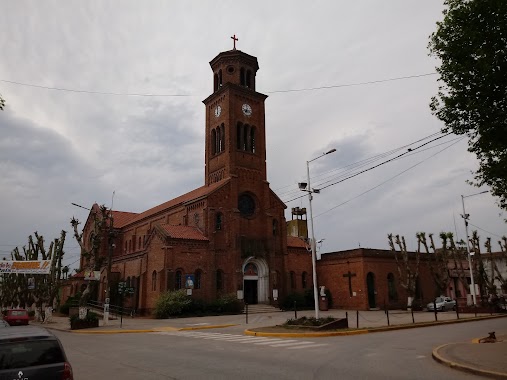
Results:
171 304
287 303
309 321
227 303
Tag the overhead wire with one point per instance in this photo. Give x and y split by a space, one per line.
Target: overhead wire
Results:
112 93
391 178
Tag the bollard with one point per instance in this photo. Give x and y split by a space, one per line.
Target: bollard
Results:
357 318
246 313
457 311
387 313
475 310
295 311
412 312
347 317
435 309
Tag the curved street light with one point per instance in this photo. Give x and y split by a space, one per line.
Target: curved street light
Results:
307 187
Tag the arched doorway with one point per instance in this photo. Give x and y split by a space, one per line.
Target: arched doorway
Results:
370 283
255 281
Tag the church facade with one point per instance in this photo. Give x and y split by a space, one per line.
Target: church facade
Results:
228 236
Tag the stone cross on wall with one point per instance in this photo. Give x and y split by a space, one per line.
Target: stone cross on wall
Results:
350 275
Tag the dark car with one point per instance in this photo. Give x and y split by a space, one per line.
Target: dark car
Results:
16 317
32 353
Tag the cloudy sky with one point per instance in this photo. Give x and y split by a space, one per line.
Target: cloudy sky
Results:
59 147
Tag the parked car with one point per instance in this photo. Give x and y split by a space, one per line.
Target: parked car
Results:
442 304
32 353
16 317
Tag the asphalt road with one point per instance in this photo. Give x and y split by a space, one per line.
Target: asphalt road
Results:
227 354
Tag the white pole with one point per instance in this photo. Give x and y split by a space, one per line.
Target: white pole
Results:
314 263
465 216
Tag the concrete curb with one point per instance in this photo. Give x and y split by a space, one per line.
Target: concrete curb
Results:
367 330
463 367
155 329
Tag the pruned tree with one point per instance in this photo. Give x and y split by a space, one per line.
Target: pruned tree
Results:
408 272
458 256
45 286
90 252
2 103
485 281
437 259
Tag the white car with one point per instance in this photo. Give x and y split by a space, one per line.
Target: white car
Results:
442 304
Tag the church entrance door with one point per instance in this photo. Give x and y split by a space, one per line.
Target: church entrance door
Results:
370 282
255 281
251 292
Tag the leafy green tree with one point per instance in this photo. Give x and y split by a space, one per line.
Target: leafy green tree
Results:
471 43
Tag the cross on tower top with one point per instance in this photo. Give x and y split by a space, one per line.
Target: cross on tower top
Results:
234 38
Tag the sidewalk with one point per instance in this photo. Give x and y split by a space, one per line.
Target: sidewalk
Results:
487 359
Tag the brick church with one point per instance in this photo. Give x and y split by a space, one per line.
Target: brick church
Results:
230 236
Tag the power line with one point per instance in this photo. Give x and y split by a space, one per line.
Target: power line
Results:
498 236
192 95
353 84
397 175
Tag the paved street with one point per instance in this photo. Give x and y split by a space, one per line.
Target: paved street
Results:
226 353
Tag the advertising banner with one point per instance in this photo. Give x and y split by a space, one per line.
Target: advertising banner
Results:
26 267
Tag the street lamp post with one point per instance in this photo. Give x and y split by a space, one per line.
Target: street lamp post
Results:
309 190
465 218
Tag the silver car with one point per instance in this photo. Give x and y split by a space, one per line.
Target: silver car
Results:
442 304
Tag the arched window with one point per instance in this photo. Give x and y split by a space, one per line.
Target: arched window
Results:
239 135
213 142
197 279
304 279
130 245
292 280
242 76
222 137
275 227
252 140
220 78
126 246
246 130
177 280
248 78
154 280
218 221
215 82
391 288
139 247
220 280
127 283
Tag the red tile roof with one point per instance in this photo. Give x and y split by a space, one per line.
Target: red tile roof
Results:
183 232
194 194
295 242
121 218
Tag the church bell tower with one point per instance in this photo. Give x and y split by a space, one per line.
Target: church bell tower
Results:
235 130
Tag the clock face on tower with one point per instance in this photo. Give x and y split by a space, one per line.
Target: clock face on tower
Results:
218 111
247 110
